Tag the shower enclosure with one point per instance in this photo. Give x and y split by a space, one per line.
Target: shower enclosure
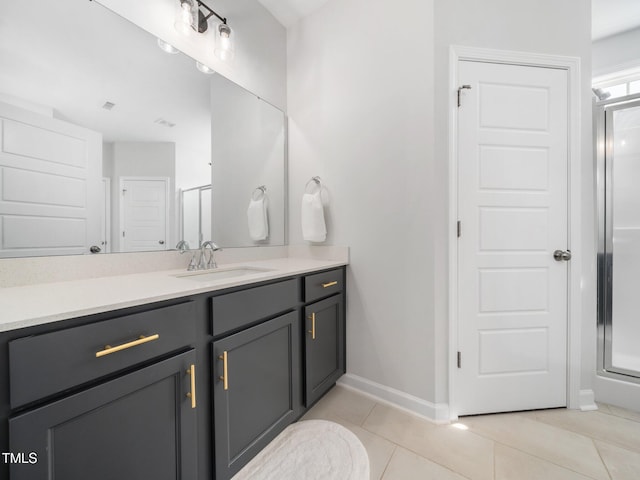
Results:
617 136
195 215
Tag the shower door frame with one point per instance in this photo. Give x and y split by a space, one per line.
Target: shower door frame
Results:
604 158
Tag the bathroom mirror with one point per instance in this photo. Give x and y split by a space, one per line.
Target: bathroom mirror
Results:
103 131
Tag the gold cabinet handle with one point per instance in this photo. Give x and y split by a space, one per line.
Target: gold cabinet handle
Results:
330 284
192 394
225 372
108 349
313 326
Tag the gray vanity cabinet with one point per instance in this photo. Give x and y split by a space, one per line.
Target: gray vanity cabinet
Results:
324 346
256 390
110 399
136 426
112 395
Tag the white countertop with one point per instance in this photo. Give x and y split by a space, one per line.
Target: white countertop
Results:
38 304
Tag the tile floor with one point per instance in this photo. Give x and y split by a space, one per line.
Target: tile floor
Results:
540 445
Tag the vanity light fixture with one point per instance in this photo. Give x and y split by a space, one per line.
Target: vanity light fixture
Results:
224 42
204 69
193 16
167 47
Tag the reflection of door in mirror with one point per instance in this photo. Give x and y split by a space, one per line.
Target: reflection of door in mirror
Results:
144 214
50 173
196 215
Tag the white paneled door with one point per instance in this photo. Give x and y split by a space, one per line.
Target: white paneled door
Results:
144 214
513 213
50 170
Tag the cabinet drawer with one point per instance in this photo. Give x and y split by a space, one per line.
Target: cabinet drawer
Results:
323 284
234 310
46 364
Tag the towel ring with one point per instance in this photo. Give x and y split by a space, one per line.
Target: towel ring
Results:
315 180
261 191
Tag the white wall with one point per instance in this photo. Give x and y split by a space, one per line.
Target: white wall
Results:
366 114
616 53
141 159
361 117
260 49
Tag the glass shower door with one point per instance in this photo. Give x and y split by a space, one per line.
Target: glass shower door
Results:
622 239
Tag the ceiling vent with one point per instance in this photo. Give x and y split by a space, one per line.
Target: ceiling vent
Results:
164 123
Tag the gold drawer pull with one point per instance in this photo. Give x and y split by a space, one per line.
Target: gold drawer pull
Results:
225 372
330 284
313 326
109 349
192 394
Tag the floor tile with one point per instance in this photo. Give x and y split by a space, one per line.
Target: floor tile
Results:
622 464
406 465
396 425
461 451
624 413
556 445
512 464
343 403
602 426
378 448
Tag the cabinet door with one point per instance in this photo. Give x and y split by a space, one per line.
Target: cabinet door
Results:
136 427
256 390
324 346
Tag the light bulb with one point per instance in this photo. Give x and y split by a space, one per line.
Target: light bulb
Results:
224 49
167 47
204 69
185 17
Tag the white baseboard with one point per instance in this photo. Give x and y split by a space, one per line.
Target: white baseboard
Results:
434 412
587 400
617 392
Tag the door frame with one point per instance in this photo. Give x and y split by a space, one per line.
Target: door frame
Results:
574 309
167 213
106 221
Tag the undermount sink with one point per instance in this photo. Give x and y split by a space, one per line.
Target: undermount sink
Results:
219 274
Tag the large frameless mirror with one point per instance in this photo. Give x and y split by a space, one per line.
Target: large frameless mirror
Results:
103 131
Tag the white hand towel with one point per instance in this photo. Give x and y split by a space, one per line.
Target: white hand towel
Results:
313 226
257 219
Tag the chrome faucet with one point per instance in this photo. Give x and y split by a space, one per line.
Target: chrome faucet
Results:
182 246
202 265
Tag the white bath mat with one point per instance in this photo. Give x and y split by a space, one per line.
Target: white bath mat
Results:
310 450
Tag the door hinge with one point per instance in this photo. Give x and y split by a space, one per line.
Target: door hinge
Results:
124 190
459 360
123 234
459 228
463 87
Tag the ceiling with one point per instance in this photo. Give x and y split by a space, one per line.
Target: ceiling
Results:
288 12
609 16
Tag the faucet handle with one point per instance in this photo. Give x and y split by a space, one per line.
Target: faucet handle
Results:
192 264
212 261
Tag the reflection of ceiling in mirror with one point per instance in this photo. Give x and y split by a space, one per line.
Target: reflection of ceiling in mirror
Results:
73 56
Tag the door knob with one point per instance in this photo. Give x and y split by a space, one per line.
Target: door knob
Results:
161 242
95 249
562 255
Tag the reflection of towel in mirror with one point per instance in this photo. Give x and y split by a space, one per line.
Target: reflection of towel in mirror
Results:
257 219
313 226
